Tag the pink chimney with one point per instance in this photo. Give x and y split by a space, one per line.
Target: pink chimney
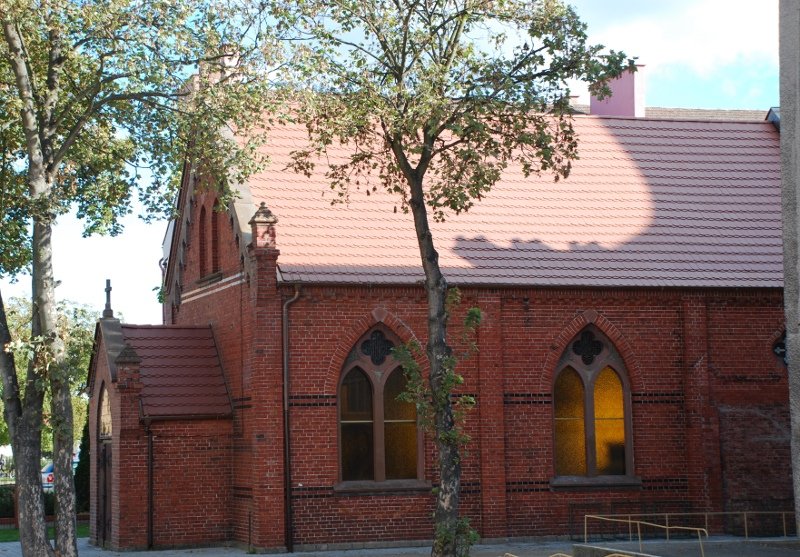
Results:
627 96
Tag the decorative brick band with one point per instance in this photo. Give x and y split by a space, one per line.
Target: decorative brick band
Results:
242 492
527 398
242 448
242 403
657 398
312 492
528 487
672 485
470 488
312 400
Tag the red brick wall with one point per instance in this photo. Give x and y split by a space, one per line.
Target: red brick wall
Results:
669 341
192 482
751 392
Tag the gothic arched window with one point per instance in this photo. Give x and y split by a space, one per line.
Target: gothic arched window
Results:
215 217
378 435
202 242
105 428
591 409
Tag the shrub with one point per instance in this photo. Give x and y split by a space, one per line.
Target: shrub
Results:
49 503
82 472
7 501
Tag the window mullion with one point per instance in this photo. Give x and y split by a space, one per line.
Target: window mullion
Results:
628 425
589 424
378 429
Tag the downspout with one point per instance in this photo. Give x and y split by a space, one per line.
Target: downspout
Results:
287 452
150 510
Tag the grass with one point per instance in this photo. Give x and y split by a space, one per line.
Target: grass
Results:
12 534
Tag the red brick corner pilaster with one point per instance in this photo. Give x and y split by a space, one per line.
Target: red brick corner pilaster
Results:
129 458
265 426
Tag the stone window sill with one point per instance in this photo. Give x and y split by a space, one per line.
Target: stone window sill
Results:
596 482
390 487
209 279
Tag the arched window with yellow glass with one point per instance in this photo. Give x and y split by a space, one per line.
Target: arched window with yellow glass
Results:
591 411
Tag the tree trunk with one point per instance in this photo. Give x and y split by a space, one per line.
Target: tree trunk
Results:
790 164
64 483
30 509
12 409
25 430
446 517
38 126
44 324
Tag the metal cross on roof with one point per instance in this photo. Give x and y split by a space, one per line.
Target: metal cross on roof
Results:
108 312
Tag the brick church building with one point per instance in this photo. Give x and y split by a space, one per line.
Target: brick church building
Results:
628 360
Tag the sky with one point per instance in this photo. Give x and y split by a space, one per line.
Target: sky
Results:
696 54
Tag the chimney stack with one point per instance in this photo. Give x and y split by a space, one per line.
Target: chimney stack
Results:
627 96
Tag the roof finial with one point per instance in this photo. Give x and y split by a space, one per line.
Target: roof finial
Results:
262 227
108 312
264 215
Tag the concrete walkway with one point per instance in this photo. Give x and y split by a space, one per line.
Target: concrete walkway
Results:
721 546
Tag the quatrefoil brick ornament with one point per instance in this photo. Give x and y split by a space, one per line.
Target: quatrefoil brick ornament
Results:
587 347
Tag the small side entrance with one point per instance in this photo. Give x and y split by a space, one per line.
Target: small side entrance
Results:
104 495
104 460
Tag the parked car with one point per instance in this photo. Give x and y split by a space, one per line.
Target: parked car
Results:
47 473
47 477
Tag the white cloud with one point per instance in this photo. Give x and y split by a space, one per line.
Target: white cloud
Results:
677 39
701 35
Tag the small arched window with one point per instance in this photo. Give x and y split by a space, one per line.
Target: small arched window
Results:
378 434
591 409
215 217
202 242
105 428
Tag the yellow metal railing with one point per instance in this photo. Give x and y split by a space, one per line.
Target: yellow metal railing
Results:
636 520
745 515
639 523
565 555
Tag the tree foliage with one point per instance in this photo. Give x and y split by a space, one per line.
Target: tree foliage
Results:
76 328
449 90
96 96
122 90
434 99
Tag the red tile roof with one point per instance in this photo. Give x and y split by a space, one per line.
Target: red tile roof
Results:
650 203
180 372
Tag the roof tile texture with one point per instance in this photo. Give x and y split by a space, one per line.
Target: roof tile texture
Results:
180 371
649 203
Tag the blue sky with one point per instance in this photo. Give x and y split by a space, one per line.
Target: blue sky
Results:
697 54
